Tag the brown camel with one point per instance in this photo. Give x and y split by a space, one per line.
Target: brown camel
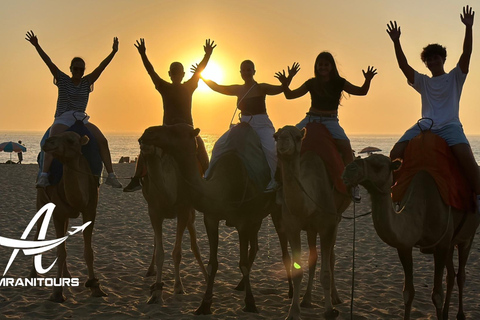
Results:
76 193
422 220
165 193
228 195
309 203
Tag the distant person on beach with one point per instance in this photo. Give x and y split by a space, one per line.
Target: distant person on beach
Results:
326 90
73 94
20 153
440 97
177 102
251 97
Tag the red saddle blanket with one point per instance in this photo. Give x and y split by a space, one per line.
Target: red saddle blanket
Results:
431 153
319 140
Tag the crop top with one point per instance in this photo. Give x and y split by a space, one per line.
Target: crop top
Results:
326 97
253 105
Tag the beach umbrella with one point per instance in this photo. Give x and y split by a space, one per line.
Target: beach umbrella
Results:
11 146
370 150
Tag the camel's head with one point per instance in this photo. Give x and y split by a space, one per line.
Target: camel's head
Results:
372 172
289 140
65 146
171 138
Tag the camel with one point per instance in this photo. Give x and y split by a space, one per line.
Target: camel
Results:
309 203
228 195
423 220
76 193
164 192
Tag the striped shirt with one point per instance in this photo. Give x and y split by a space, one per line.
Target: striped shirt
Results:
70 96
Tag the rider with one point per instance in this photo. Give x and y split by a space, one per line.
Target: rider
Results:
73 93
440 97
177 102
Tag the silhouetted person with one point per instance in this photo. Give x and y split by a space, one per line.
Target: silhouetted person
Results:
73 94
177 102
326 90
20 154
440 97
251 103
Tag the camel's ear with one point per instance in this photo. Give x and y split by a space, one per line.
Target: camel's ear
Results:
196 132
84 140
396 164
303 132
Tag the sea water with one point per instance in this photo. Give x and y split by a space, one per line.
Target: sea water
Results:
126 144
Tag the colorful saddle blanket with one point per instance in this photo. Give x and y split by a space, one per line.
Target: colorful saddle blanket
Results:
245 143
431 153
90 152
319 140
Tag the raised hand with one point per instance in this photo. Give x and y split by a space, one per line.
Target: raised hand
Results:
467 17
140 45
393 31
31 37
371 72
115 44
209 46
194 68
282 77
293 71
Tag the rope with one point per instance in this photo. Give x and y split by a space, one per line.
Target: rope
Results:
353 262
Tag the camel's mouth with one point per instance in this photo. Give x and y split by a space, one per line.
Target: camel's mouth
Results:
350 175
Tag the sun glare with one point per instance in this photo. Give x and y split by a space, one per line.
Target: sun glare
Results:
213 72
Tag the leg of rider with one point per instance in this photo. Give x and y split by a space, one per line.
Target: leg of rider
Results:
265 133
464 155
104 154
345 150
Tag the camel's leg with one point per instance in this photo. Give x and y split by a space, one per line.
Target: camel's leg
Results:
440 257
57 294
252 253
405 255
156 289
327 242
182 221
212 232
463 253
65 272
92 281
193 243
248 235
287 262
450 282
151 271
297 273
33 271
312 263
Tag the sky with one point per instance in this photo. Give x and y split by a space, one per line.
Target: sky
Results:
272 33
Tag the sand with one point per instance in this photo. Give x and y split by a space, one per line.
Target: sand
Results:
123 244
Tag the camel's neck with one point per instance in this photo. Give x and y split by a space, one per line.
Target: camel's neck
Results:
397 229
293 194
76 181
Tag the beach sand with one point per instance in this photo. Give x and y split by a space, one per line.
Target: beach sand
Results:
123 244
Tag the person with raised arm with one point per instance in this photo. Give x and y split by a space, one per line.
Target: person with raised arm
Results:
177 102
440 95
251 97
326 91
73 94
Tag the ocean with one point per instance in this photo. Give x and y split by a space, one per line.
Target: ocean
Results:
126 144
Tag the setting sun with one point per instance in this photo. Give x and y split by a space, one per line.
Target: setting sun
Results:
213 72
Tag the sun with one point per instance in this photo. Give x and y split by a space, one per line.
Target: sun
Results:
213 72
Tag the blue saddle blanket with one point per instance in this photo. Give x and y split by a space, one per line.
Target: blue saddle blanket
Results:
90 151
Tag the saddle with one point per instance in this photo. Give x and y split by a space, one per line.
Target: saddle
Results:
319 140
431 153
90 151
245 143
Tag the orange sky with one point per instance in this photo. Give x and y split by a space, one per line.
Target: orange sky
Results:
271 33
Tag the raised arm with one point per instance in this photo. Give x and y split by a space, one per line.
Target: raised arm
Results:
142 49
232 90
467 19
208 48
32 38
285 81
394 32
363 90
92 77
